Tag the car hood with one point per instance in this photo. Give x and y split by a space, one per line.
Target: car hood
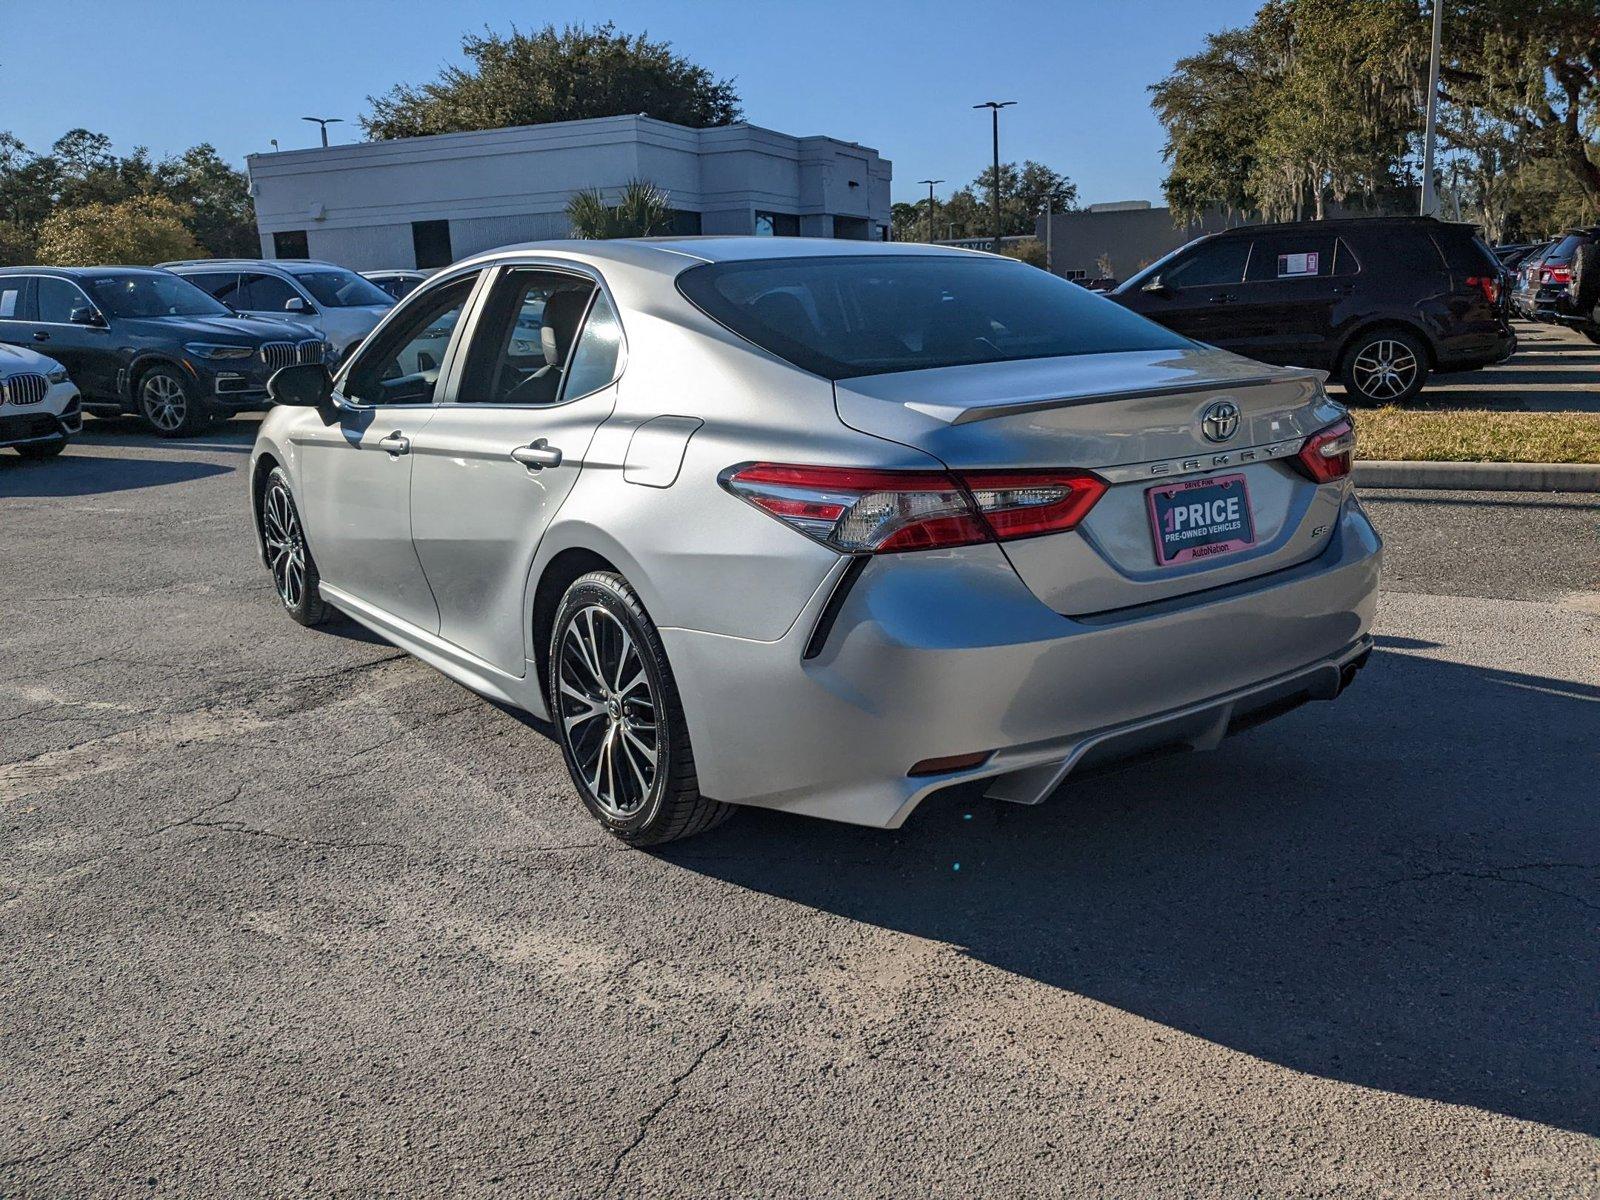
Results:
232 329
15 360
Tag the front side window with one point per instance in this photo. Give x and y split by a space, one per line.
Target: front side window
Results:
1213 264
155 295
55 299
402 365
870 314
334 287
524 344
265 293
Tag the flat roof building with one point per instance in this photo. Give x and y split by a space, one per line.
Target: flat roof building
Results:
426 201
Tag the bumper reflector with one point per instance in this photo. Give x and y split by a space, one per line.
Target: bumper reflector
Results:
952 762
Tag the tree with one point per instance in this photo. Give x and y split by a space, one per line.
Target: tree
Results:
1533 65
641 210
140 230
223 217
1028 250
551 75
1314 100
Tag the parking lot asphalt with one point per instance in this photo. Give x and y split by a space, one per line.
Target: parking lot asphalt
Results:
285 911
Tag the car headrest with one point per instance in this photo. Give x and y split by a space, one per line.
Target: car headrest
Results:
559 327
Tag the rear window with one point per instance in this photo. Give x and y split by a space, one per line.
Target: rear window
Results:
876 314
1563 250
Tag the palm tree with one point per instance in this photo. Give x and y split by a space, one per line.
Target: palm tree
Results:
641 210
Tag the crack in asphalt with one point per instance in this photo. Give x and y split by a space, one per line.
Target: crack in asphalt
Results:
47 1158
674 1089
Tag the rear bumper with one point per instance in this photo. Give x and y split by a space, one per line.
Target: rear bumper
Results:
941 654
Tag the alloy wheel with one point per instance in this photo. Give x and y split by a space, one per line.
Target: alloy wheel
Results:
1384 369
286 545
164 402
608 711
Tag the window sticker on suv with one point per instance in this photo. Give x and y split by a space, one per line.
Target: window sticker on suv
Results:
1291 266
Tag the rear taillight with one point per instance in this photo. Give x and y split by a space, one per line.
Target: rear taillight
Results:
1489 285
859 511
1328 455
1555 275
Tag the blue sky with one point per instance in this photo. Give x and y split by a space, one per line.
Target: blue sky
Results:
900 77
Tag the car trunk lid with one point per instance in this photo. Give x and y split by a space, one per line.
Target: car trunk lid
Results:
1136 419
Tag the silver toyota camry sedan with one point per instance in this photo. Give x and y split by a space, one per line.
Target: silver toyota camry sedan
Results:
820 526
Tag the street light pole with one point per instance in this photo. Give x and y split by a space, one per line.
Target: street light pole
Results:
930 183
324 122
1430 200
1049 211
994 106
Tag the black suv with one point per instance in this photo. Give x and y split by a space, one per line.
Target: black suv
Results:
1378 302
144 341
1565 283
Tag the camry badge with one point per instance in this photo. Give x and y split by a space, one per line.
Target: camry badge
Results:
1221 421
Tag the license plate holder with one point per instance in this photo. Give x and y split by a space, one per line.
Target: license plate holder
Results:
1200 518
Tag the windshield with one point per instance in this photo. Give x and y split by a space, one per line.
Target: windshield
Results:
870 315
334 287
152 296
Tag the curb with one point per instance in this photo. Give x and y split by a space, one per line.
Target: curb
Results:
1480 476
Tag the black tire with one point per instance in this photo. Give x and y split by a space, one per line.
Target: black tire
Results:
294 571
168 404
1384 366
599 725
42 449
1586 276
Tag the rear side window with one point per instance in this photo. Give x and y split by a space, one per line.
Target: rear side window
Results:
1564 250
11 299
219 285
840 317
1464 252
1399 249
1291 256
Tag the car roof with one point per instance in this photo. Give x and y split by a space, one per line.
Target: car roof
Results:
273 264
1343 224
673 254
82 272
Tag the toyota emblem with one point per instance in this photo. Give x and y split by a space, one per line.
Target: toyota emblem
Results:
1221 421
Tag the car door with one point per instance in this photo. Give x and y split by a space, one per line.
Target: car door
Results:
1284 310
88 352
355 470
537 378
1193 294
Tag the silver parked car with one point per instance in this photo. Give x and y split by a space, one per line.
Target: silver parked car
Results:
820 527
338 303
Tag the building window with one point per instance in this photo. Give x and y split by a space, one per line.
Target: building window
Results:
430 241
777 225
685 223
290 243
853 228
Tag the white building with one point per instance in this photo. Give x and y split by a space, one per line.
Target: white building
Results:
430 200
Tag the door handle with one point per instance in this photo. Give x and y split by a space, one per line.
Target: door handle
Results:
395 444
40 335
538 456
1223 297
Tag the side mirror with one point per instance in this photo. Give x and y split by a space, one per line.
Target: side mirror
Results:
86 314
305 385
295 304
1157 286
